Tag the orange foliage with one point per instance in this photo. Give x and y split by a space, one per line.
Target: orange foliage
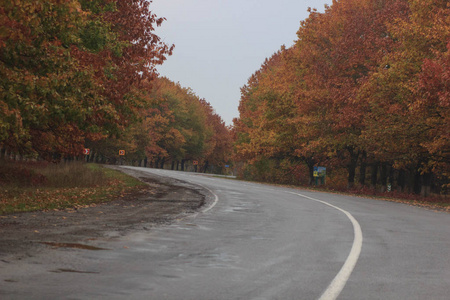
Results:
365 83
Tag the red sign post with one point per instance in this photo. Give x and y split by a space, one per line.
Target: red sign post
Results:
86 151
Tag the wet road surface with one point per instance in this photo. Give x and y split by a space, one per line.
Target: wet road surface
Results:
253 241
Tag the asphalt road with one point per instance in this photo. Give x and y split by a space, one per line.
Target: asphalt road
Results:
254 241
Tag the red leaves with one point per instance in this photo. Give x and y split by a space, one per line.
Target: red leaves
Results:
71 70
433 106
364 77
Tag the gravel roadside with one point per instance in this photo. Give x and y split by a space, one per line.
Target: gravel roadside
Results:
164 202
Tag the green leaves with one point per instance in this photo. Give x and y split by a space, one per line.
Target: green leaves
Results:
63 68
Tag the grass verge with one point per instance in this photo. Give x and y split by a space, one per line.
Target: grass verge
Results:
43 186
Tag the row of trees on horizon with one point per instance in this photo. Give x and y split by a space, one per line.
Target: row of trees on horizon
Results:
365 89
177 127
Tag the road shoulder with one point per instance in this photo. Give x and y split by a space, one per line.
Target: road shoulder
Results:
164 202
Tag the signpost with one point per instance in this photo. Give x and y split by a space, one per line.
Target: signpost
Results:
121 154
319 174
86 152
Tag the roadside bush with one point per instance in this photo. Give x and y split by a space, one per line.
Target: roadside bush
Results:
61 175
275 171
31 186
336 179
73 174
20 174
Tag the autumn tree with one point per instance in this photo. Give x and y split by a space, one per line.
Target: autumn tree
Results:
68 69
398 124
356 89
198 132
218 149
266 133
338 51
174 126
434 103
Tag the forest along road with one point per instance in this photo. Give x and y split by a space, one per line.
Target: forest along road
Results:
255 241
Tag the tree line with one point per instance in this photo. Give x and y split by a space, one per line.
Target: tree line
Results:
175 127
78 73
364 90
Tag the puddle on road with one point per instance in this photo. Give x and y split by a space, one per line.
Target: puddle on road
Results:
73 271
210 260
73 245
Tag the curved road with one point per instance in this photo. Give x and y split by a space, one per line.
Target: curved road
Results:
255 241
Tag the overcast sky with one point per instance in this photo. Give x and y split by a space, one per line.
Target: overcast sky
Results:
219 44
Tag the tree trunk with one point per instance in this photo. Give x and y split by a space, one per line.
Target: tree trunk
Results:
310 162
373 176
351 176
383 177
173 165
351 167
417 184
426 185
182 164
391 177
362 169
401 180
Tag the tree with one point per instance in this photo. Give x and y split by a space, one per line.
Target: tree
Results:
68 71
218 143
338 51
434 106
396 129
361 85
174 125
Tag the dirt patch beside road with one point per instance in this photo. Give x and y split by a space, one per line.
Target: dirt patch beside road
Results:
163 202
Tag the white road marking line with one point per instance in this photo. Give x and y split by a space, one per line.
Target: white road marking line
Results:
338 283
216 198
